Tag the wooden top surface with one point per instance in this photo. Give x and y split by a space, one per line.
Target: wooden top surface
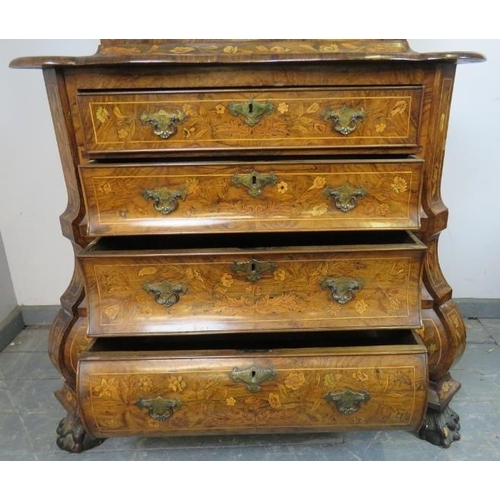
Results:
219 51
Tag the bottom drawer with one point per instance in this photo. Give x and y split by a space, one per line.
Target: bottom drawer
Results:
326 382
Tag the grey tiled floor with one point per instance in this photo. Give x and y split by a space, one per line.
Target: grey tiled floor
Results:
29 415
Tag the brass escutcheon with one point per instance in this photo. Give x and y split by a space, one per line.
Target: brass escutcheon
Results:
159 408
164 123
253 269
345 120
254 181
164 200
252 377
166 294
347 402
343 289
250 111
345 197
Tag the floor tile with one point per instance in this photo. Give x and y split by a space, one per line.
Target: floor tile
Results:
5 402
30 340
34 396
26 366
13 436
493 328
477 333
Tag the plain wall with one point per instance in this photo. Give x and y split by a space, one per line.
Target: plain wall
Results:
32 192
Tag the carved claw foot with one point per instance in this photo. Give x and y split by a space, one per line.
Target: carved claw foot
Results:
440 427
73 437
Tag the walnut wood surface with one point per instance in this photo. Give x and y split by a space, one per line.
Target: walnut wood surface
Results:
214 202
97 103
112 122
217 298
110 385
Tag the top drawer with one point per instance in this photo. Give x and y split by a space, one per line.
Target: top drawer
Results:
348 119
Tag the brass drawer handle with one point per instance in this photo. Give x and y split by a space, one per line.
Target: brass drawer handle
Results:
253 269
166 294
164 124
164 200
345 120
345 197
252 377
159 408
343 289
251 112
347 402
254 182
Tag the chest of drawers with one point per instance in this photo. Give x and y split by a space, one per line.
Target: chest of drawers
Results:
255 225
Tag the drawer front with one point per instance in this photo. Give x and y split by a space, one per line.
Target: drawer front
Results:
333 389
329 118
253 291
231 197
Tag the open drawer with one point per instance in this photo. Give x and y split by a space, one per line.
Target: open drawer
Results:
332 281
322 382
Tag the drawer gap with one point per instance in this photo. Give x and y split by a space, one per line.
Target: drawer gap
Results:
263 342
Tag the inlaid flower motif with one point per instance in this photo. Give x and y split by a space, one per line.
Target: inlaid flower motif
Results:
176 384
280 275
182 50
399 108
104 188
329 48
253 289
283 107
359 375
106 388
220 109
147 271
122 134
274 400
445 387
145 384
399 185
394 304
331 380
102 114
432 348
380 127
186 132
361 306
318 183
319 210
118 113
382 209
282 187
295 380
192 185
313 108
226 280
230 401
279 48
112 312
253 402
112 423
230 49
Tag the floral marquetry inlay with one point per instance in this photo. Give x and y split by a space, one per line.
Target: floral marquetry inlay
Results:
214 399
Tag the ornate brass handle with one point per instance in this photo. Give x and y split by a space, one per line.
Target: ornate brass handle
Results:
164 124
159 408
345 120
253 269
250 111
254 181
252 377
343 289
164 200
345 197
347 402
166 294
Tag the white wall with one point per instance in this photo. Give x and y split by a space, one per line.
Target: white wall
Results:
32 192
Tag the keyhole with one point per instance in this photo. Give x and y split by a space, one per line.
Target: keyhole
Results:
254 179
250 107
253 267
253 373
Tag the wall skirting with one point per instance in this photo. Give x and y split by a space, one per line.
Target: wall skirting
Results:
10 327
